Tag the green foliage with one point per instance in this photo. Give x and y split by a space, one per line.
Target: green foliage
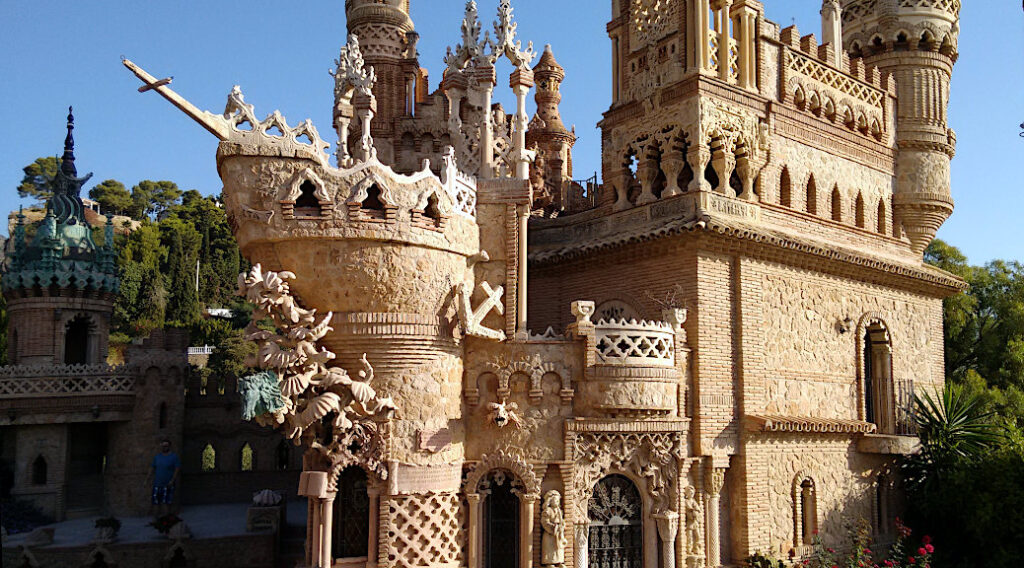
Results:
153 198
113 197
37 182
183 302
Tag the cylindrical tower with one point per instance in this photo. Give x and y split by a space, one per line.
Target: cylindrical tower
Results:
917 43
547 131
60 286
388 43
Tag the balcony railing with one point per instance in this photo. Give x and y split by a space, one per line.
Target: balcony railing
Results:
27 387
644 343
905 423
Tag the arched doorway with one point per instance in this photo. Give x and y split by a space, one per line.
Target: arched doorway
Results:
77 340
351 515
501 520
616 538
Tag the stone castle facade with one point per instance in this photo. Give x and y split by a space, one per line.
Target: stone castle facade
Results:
710 354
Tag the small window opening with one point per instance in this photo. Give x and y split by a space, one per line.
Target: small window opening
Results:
837 205
373 201
209 462
162 416
785 189
248 458
881 216
812 196
76 341
307 204
859 212
432 211
808 511
39 471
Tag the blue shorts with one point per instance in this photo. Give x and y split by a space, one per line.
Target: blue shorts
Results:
163 495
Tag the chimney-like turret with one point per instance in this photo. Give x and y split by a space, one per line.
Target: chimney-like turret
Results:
917 43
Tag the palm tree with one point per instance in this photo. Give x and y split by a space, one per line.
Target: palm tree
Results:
955 430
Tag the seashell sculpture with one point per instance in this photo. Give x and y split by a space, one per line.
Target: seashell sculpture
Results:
266 498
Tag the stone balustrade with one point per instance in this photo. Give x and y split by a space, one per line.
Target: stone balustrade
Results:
61 386
635 343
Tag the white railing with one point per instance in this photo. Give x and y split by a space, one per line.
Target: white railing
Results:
621 342
66 386
204 350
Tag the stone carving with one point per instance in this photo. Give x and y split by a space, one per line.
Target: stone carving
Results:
350 72
694 514
503 413
552 521
511 460
309 389
471 319
423 530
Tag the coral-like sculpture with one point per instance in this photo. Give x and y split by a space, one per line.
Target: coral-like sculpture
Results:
296 389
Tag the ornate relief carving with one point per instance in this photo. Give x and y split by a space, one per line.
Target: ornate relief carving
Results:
506 459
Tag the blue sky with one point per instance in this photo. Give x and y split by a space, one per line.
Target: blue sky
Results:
55 53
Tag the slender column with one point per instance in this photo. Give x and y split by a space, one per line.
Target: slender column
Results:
725 162
474 529
832 29
366 107
622 190
715 481
485 81
522 333
581 535
700 29
521 81
699 157
668 527
722 24
647 171
410 95
616 70
747 177
315 546
526 531
327 517
373 544
343 129
312 524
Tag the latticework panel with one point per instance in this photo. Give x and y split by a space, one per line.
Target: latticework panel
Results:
424 530
804 65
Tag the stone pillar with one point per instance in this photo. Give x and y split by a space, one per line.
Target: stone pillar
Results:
410 95
622 190
373 538
343 123
521 81
313 547
647 171
832 30
366 107
699 156
327 517
580 536
746 172
668 528
526 531
715 482
699 31
522 333
722 27
724 162
475 517
745 25
672 165
485 82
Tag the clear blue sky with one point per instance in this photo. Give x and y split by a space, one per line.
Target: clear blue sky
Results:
56 53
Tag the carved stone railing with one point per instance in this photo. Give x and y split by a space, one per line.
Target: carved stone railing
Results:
66 386
631 343
49 371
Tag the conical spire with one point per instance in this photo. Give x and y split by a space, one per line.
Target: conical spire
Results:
68 160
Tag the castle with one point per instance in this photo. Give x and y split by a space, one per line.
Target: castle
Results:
709 354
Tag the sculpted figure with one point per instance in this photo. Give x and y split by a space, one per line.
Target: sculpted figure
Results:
504 413
552 545
693 512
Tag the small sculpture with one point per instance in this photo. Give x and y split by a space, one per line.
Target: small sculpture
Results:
503 413
693 512
266 498
553 543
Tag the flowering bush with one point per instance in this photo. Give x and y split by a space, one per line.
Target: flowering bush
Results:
901 555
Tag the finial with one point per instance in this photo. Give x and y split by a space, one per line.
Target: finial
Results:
68 160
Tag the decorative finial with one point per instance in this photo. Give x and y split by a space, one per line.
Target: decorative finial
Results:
68 160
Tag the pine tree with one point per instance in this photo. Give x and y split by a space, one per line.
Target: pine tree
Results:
183 304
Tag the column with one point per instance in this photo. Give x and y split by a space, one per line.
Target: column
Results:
314 547
366 107
699 156
715 481
327 516
474 529
410 95
746 172
343 123
722 26
526 531
724 162
312 524
521 81
522 333
622 190
832 29
581 534
373 546
668 527
647 171
671 164
485 81
699 32
616 70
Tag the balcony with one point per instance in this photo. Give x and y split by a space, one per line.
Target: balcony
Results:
49 394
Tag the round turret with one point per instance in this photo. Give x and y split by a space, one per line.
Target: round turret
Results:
917 43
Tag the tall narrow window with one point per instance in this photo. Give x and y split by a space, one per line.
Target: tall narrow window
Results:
76 341
209 462
812 196
351 515
248 458
808 511
837 205
161 420
283 455
881 216
39 471
501 521
879 403
785 189
858 212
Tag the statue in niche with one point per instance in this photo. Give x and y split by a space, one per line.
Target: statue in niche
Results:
552 546
693 513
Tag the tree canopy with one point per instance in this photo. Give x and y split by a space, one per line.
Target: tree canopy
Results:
38 181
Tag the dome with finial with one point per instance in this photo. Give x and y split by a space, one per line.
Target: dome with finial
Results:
62 252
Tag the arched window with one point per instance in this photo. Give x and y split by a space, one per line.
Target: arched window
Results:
881 216
501 491
161 416
373 201
812 196
351 515
837 205
858 212
307 204
39 471
77 342
615 309
785 189
879 402
209 462
248 458
284 454
616 537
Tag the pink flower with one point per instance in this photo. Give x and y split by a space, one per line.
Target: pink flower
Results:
921 551
929 548
867 551
910 559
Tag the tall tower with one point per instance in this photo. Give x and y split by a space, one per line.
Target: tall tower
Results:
388 43
548 132
917 43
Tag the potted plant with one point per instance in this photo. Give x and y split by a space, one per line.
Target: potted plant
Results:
107 529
